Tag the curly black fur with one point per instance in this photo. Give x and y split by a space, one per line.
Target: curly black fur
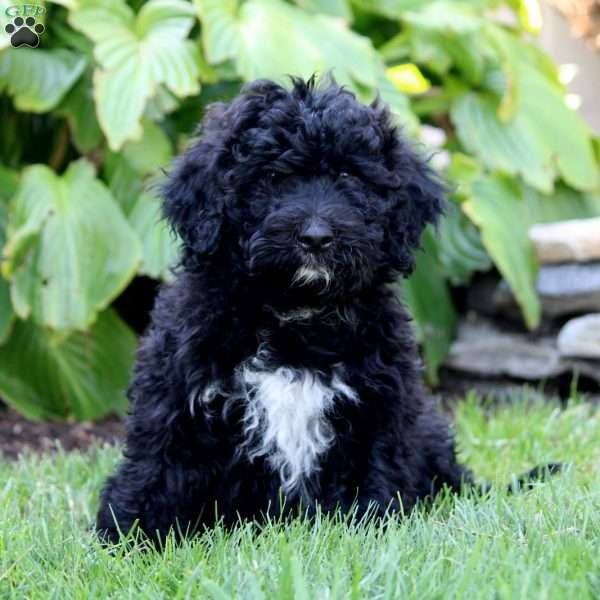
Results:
264 168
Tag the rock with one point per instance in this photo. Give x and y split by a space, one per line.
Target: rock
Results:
565 289
484 350
581 337
569 288
567 241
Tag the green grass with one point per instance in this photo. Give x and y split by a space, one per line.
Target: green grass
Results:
541 544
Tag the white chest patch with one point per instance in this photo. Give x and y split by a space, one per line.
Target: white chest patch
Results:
286 417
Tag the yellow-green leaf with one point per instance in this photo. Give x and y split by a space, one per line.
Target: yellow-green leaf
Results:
498 209
530 15
408 79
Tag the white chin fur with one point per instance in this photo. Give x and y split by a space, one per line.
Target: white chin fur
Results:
309 274
298 314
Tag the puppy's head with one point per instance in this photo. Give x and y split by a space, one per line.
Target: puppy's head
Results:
311 192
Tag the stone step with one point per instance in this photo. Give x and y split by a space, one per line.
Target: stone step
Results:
563 289
577 240
483 349
580 337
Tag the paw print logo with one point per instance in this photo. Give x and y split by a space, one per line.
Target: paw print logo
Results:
24 32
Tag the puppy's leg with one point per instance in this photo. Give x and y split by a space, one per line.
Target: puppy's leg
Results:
408 466
439 448
164 480
155 495
410 447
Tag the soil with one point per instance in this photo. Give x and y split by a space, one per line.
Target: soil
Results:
18 434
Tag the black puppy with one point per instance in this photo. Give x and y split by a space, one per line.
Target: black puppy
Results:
280 364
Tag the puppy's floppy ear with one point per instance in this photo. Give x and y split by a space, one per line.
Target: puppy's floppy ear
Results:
192 197
416 200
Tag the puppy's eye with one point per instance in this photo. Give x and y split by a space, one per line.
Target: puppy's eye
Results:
274 176
344 175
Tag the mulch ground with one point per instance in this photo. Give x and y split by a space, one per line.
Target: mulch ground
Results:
18 434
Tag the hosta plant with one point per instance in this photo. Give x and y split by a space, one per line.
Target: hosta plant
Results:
92 116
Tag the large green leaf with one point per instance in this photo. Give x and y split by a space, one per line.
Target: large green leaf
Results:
433 43
543 141
564 204
463 170
151 153
503 80
270 38
9 183
127 170
560 130
498 208
501 146
70 251
137 54
333 8
38 79
461 250
449 16
162 104
78 108
124 182
65 3
84 375
425 48
7 314
467 52
8 186
392 9
131 171
160 247
431 306
514 51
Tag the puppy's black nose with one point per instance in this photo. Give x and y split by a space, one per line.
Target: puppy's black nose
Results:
316 235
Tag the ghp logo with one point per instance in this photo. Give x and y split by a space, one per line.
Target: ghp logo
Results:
24 30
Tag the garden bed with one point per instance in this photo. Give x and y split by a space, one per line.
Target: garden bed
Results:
18 434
